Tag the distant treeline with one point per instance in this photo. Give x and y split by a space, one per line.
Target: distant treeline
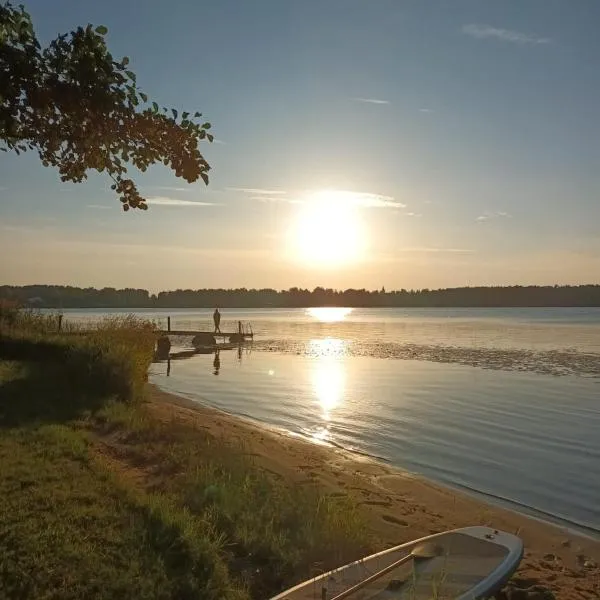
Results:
55 296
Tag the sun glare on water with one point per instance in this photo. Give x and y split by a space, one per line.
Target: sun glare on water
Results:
328 231
329 314
328 373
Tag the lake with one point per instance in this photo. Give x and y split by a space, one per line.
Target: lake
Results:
500 402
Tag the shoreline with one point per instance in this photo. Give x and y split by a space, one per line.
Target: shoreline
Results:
569 526
399 506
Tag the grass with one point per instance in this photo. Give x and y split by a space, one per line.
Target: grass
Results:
104 499
274 533
70 530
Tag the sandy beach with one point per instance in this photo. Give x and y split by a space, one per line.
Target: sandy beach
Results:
398 506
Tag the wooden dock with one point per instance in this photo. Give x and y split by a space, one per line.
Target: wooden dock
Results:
189 332
243 334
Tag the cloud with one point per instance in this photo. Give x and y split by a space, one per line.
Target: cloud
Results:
480 31
271 199
257 191
361 199
486 216
165 201
435 250
412 214
99 206
169 188
371 101
368 200
426 110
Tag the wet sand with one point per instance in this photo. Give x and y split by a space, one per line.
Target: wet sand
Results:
400 507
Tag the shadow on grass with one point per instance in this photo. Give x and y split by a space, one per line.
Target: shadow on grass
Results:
41 392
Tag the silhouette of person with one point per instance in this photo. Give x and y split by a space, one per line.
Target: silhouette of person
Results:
217 320
216 363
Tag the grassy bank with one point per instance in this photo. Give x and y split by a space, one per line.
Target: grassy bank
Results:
105 500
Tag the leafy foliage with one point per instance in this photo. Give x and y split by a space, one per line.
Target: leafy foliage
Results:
81 110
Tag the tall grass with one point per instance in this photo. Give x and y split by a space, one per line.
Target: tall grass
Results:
274 533
111 358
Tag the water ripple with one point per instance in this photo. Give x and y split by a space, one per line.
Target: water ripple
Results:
545 362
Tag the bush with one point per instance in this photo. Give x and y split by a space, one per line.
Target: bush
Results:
115 357
110 360
15 319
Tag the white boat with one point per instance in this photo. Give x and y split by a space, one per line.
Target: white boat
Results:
462 564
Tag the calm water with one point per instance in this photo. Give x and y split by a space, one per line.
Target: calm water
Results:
502 402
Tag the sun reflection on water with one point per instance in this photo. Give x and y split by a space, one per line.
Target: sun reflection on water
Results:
329 382
328 377
329 314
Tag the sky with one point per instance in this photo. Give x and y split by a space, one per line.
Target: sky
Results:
359 143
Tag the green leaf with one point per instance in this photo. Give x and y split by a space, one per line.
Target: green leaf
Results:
210 137
204 177
206 125
185 122
144 97
125 61
155 107
197 114
185 115
101 30
130 74
174 113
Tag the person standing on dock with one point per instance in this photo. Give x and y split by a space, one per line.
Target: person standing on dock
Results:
217 320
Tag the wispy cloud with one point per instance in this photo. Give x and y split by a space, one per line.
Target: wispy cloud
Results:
165 201
435 250
378 201
272 199
371 100
99 206
481 31
257 191
426 110
169 188
361 199
266 196
486 216
413 214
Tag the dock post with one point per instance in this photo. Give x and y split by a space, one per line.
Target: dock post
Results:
60 318
168 323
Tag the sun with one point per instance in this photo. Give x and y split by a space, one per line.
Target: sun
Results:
328 230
